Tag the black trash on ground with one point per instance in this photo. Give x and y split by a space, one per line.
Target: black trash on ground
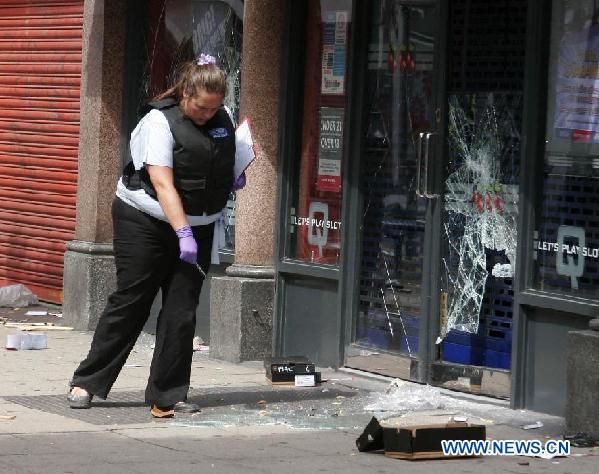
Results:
291 370
582 440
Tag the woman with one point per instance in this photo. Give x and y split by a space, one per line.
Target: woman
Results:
167 202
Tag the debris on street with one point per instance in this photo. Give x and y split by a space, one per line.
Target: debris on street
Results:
17 296
37 327
199 345
401 397
533 426
26 341
582 440
417 435
292 370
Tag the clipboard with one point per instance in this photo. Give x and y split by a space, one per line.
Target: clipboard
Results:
244 147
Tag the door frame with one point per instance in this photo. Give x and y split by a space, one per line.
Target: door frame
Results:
290 113
415 369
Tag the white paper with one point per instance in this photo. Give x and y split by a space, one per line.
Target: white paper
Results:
244 144
36 313
305 381
533 426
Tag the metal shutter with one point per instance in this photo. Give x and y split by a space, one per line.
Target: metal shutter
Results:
40 73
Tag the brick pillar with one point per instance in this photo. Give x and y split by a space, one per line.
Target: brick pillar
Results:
89 275
242 302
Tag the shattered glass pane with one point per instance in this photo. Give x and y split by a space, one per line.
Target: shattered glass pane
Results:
480 203
177 32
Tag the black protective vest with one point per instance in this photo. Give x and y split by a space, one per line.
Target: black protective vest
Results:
203 160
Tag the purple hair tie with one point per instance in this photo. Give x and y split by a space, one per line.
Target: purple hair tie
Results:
205 59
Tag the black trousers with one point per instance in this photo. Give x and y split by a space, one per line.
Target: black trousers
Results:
146 254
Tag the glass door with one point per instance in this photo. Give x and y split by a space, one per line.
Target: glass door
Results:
439 185
485 97
397 170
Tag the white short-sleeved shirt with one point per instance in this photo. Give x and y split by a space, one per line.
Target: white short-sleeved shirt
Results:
152 143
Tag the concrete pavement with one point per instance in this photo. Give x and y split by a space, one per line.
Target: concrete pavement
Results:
246 425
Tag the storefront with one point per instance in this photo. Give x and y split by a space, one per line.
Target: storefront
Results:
430 228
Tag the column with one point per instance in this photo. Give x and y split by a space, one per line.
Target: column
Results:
89 275
242 302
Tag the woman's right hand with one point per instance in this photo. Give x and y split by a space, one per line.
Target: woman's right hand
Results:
187 245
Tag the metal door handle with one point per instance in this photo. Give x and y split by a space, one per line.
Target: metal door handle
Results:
426 148
419 165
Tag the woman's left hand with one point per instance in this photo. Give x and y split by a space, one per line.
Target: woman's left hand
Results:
239 182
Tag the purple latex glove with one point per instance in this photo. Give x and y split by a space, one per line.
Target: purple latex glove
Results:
239 182
187 245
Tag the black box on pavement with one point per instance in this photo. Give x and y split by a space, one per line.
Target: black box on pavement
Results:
284 369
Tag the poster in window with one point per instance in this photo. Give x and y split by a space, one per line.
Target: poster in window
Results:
334 52
577 85
330 149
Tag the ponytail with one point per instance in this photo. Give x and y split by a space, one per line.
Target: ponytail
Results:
194 76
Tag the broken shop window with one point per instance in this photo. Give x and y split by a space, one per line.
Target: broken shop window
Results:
178 31
480 214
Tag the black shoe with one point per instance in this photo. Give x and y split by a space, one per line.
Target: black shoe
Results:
80 401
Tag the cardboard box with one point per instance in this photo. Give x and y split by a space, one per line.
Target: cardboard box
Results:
371 438
424 442
282 370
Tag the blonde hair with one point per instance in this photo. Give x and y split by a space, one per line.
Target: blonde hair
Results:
193 78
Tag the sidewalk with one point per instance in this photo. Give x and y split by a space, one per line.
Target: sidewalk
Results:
246 424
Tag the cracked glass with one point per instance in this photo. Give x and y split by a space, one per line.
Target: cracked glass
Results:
180 30
479 209
480 204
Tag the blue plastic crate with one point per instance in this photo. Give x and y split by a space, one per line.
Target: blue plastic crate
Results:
497 360
461 354
481 341
472 355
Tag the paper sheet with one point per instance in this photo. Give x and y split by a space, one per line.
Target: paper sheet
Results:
244 144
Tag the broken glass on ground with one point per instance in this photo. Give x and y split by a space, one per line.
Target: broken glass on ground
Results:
404 398
401 397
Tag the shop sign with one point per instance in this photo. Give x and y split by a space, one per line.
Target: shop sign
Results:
577 86
330 150
318 223
334 52
571 251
